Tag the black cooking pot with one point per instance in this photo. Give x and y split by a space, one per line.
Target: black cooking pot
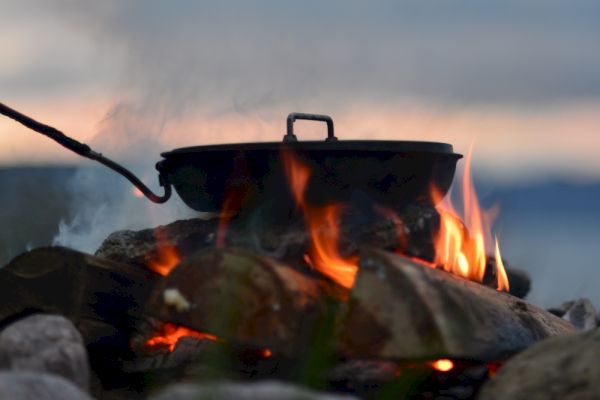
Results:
207 178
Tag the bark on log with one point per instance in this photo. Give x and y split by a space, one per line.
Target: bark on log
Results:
403 310
100 297
243 298
281 241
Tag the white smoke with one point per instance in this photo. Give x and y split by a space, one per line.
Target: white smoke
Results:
102 201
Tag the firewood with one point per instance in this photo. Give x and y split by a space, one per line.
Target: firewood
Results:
288 241
101 297
400 309
244 298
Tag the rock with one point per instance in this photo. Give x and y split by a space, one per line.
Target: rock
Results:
581 313
25 385
45 343
364 371
564 368
267 390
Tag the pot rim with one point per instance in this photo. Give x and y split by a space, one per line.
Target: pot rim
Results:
392 146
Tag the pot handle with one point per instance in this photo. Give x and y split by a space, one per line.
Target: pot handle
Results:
85 151
290 137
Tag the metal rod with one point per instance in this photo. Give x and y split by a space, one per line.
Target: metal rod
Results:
85 151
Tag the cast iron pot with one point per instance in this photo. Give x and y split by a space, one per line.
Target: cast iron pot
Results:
247 175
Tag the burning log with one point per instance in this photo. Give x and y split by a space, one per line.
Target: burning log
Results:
143 247
287 241
242 298
401 309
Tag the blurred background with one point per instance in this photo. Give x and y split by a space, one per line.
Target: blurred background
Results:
518 78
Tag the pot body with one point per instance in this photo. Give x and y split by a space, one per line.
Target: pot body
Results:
247 176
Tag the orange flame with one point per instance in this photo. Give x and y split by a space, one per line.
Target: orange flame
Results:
234 199
463 251
266 353
502 278
170 334
167 256
322 224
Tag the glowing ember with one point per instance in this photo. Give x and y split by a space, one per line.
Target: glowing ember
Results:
322 224
266 353
463 251
443 365
170 334
166 257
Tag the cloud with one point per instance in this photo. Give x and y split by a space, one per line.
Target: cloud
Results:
268 52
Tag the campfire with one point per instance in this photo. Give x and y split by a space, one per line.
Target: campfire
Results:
388 292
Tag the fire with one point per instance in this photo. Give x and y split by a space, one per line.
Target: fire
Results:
170 334
460 248
463 251
323 226
236 195
266 353
322 223
502 279
167 256
443 365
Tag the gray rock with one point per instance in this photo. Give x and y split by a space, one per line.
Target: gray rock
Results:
45 343
24 385
581 313
564 368
267 390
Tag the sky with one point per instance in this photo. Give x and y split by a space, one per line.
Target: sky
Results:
518 77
